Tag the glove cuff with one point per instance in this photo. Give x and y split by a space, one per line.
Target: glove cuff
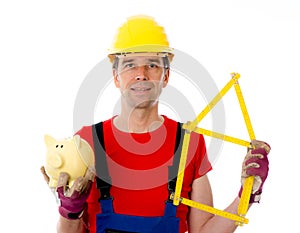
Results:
70 215
255 198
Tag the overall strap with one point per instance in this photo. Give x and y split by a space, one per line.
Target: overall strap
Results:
103 178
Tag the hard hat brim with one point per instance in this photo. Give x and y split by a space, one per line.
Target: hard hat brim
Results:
142 49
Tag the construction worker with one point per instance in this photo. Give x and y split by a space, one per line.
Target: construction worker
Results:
137 153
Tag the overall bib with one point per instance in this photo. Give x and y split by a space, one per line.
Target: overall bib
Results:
109 221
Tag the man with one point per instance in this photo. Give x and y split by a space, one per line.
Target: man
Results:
140 145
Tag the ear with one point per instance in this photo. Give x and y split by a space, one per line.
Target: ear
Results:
166 77
77 140
116 78
49 140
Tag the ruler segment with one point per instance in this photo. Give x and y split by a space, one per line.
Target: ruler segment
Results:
182 163
213 102
212 210
220 136
244 201
248 184
244 110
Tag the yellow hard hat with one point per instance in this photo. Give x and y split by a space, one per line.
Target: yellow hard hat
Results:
140 34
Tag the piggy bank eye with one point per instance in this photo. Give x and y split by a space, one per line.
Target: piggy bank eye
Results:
61 146
56 146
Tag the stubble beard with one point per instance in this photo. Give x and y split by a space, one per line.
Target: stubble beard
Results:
143 101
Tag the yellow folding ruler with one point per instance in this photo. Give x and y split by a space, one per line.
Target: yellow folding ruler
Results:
192 126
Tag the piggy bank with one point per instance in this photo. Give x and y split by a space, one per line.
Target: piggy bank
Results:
71 155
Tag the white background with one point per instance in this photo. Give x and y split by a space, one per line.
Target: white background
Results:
48 47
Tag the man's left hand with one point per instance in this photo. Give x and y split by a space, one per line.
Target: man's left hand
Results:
256 164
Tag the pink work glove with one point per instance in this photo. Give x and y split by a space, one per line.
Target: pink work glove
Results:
73 200
256 164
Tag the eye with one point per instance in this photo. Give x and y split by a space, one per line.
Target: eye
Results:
129 65
153 65
56 146
61 146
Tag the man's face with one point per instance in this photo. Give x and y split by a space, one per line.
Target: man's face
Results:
140 79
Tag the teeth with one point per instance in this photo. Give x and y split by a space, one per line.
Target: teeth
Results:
140 89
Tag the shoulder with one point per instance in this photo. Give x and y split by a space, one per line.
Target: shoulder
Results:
170 123
86 132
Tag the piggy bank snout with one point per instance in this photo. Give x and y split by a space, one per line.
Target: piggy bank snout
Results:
54 160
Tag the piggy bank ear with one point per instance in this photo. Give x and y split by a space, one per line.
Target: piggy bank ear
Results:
49 140
77 140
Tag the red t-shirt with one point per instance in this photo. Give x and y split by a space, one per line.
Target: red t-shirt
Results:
138 165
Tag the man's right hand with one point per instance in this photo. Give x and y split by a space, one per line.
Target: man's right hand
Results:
73 200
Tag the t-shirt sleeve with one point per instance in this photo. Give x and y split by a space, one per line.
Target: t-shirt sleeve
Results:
202 164
86 133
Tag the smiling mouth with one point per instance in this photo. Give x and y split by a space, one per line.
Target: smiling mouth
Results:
140 88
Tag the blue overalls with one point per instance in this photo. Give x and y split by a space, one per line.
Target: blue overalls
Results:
109 221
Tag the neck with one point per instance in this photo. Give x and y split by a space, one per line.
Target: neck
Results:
139 120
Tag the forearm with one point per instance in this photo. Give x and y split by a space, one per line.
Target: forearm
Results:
70 226
217 224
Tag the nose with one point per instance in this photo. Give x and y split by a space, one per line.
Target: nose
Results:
141 74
